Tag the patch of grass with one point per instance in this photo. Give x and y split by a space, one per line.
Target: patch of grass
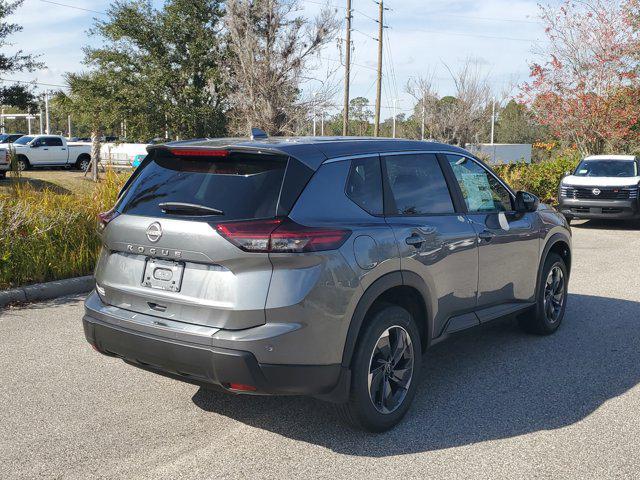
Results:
48 230
59 181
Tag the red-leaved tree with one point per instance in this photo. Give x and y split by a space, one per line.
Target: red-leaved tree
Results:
587 89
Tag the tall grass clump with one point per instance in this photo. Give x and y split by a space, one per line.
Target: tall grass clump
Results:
541 179
45 235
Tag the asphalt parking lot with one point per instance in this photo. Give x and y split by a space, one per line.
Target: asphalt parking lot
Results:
494 404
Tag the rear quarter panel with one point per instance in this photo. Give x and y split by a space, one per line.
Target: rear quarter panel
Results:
321 290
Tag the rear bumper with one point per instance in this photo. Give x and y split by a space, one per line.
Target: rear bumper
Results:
613 209
172 354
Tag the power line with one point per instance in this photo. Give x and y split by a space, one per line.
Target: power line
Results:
32 82
490 19
352 63
73 6
476 35
365 34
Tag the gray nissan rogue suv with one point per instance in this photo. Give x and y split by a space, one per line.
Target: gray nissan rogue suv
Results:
318 266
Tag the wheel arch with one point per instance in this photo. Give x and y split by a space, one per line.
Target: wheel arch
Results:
559 244
405 289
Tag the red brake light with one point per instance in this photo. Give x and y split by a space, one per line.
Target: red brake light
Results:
241 387
199 152
280 235
105 217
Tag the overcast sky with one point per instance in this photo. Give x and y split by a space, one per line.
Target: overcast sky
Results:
423 36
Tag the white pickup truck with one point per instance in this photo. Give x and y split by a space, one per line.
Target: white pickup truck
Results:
50 150
602 186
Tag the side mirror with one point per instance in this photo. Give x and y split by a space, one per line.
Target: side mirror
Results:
526 202
34 145
567 173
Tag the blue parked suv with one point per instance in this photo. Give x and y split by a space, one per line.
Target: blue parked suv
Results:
318 266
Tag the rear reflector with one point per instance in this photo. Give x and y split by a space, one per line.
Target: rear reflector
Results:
105 217
199 152
241 387
281 235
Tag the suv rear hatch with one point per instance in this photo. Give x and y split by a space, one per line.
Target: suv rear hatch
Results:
163 254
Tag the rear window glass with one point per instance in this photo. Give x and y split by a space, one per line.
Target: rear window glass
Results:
364 185
241 186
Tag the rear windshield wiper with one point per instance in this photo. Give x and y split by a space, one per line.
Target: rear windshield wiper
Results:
181 208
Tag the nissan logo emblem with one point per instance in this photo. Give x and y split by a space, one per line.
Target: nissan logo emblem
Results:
596 191
154 232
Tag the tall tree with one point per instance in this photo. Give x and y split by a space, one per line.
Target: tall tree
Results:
457 119
516 125
17 95
165 64
360 115
586 87
90 98
270 49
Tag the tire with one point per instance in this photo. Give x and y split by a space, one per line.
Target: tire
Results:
22 163
83 162
547 315
366 409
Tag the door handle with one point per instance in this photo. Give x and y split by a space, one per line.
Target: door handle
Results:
486 235
45 149
414 240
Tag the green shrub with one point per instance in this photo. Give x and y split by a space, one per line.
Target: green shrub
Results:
541 179
46 235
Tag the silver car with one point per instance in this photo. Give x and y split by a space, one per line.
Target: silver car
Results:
322 267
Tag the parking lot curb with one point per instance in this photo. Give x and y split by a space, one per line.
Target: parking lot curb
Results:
47 291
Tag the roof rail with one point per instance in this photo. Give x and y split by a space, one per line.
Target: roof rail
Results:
258 134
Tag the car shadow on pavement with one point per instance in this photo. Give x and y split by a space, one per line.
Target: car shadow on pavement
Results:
628 225
494 383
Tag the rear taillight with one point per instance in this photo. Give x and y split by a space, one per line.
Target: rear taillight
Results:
281 235
105 217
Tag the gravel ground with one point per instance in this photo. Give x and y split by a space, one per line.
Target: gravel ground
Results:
493 404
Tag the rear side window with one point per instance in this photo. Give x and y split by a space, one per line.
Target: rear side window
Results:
53 142
240 186
418 185
364 186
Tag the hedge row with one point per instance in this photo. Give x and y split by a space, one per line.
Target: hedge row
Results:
46 235
541 179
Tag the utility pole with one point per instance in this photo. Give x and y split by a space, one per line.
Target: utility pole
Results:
40 117
322 121
46 111
376 128
423 115
347 72
493 118
314 119
493 123
69 124
395 115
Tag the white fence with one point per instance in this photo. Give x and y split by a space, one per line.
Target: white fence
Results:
497 153
121 154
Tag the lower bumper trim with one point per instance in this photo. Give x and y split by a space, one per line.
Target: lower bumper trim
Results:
209 366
